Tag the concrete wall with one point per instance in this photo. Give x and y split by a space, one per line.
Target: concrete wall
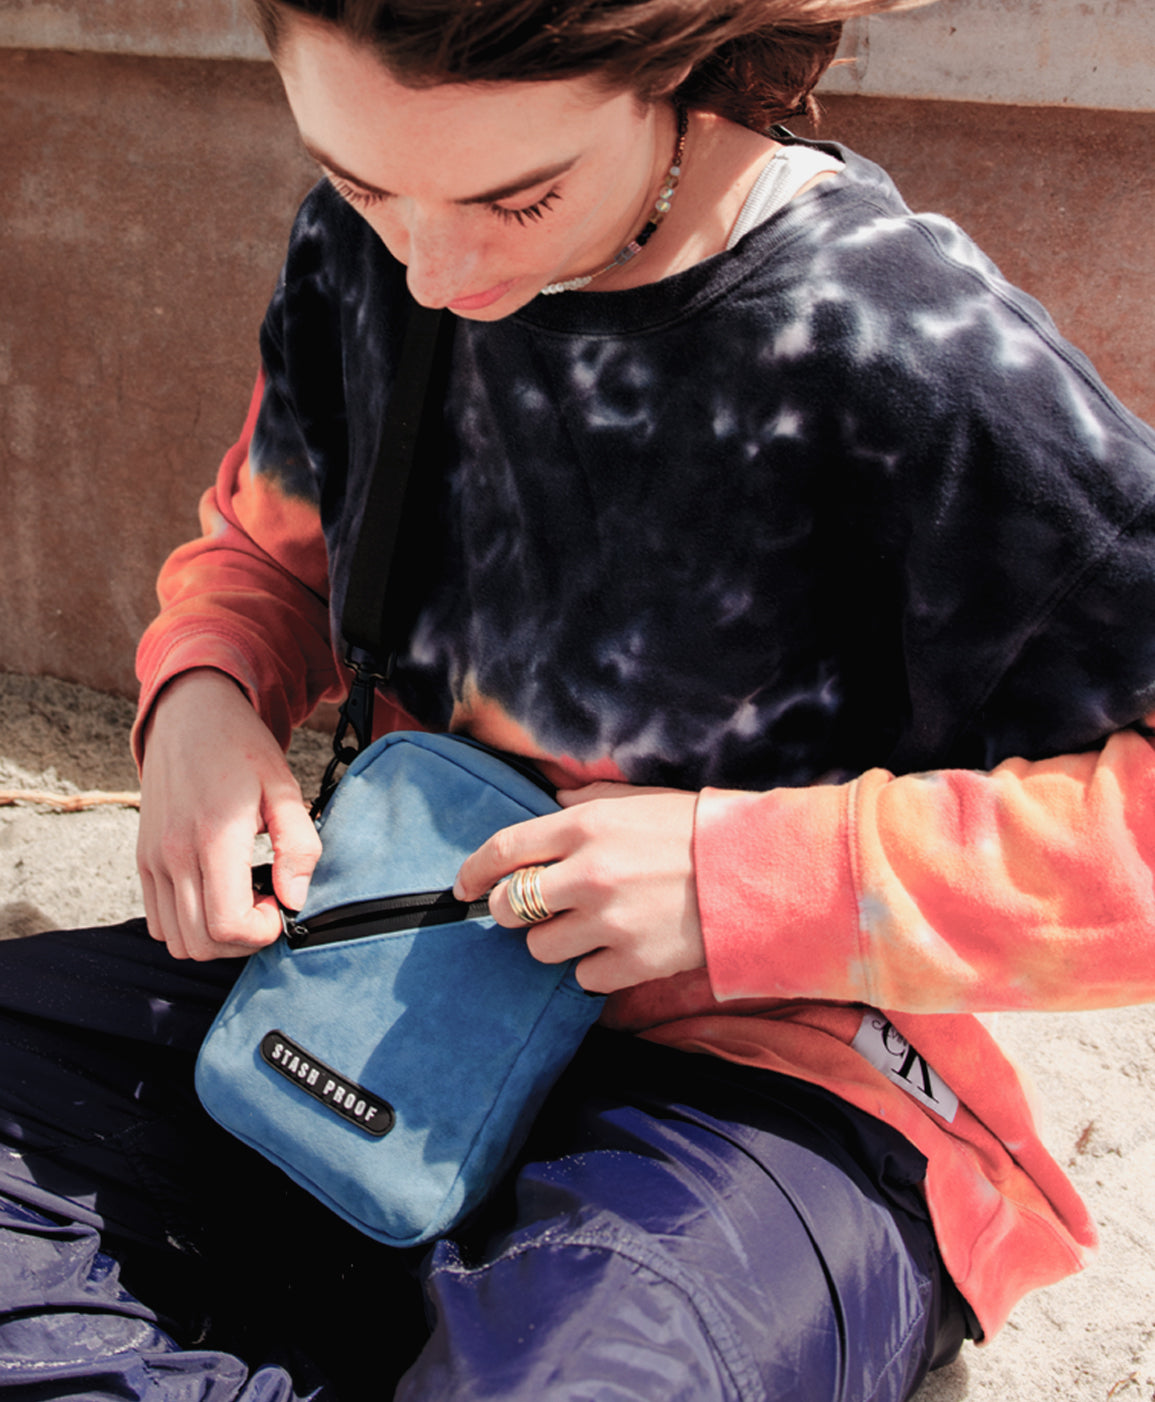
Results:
1067 53
1083 53
174 29
145 204
144 210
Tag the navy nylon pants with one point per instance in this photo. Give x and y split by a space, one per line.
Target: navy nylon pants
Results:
677 1228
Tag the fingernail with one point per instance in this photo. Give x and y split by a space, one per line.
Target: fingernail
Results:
298 891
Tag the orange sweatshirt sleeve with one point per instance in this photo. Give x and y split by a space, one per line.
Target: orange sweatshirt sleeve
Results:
248 597
1031 886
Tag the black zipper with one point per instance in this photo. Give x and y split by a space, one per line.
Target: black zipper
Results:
386 915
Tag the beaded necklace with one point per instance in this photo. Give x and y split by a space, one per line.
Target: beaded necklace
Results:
661 209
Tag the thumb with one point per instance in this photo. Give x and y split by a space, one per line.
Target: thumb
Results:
296 847
607 788
600 788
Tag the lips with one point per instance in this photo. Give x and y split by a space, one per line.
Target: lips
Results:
476 300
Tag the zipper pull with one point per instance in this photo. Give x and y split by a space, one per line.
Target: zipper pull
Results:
295 931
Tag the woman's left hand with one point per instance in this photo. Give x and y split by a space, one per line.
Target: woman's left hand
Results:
619 877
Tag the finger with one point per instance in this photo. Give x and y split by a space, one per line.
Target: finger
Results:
536 842
548 887
296 848
161 905
602 788
607 788
168 925
232 919
149 889
604 971
149 900
185 929
599 969
560 939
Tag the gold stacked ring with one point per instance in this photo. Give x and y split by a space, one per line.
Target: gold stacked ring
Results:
523 889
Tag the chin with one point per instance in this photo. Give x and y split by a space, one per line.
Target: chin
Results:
496 302
496 312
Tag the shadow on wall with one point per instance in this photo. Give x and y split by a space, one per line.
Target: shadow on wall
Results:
147 206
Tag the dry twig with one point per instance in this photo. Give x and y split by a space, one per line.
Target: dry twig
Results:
1124 1382
69 802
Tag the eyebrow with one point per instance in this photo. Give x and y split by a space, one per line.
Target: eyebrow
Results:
503 192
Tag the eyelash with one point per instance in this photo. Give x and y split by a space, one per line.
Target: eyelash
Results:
530 213
363 199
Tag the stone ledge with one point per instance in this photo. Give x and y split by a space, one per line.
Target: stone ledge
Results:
1072 54
217 29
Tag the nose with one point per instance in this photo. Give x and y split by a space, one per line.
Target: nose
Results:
442 259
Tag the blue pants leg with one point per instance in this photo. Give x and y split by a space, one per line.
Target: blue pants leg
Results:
676 1227
69 1329
143 1252
685 1229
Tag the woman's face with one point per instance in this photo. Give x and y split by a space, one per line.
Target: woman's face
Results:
486 192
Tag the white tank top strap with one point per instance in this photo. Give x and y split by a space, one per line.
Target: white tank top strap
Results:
780 179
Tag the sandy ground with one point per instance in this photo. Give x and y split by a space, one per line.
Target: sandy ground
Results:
1089 1339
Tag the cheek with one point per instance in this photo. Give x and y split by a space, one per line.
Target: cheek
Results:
469 234
493 246
390 230
598 212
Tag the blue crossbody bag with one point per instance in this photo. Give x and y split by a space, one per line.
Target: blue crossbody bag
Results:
390 1051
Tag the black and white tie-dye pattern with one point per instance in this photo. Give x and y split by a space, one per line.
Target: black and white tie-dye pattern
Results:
839 498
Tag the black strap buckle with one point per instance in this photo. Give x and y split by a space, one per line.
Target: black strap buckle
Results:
356 715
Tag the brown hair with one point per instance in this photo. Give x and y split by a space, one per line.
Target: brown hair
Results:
753 61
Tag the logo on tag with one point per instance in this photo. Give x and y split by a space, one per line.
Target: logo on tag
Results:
888 1051
336 1092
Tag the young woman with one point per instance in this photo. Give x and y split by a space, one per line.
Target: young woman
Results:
819 573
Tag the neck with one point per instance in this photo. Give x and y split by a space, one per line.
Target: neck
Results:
666 139
663 189
722 162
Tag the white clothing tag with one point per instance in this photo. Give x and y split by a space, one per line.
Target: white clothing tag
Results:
888 1051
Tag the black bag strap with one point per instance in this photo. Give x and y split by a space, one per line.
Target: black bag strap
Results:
407 428
381 594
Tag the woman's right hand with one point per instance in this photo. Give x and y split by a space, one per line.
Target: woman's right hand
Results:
214 777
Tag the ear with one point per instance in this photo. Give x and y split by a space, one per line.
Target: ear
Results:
664 89
677 80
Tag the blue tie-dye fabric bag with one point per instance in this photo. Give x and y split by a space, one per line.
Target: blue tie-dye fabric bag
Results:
391 1049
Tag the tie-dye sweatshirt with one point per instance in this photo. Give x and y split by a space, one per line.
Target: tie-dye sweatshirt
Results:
833 528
